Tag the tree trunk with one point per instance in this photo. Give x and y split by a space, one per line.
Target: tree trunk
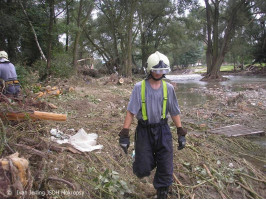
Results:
215 54
209 41
80 25
67 23
129 41
76 41
33 31
215 48
50 37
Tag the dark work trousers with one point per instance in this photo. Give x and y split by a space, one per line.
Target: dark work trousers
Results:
12 89
154 148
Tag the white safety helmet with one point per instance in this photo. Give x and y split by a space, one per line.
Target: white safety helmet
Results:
158 63
3 54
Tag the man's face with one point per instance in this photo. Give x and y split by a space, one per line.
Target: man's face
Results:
155 75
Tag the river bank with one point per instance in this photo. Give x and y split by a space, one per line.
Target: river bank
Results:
211 166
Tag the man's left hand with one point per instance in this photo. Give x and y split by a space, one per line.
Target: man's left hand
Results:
181 142
124 139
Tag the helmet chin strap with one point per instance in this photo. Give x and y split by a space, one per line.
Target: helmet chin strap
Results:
156 79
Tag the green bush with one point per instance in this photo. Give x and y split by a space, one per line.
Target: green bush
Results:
60 66
25 76
40 67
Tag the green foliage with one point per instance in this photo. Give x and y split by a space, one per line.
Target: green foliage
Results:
61 66
40 67
227 68
25 76
190 57
36 88
176 28
109 184
93 99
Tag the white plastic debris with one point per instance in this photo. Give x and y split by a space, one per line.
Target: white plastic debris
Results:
231 165
81 140
53 131
63 141
85 142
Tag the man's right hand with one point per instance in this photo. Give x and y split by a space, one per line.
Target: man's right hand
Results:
181 137
124 139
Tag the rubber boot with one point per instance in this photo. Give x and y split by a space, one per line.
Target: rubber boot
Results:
162 193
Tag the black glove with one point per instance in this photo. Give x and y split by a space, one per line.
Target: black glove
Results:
124 139
181 138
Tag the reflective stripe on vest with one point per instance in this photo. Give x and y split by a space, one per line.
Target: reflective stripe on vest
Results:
143 101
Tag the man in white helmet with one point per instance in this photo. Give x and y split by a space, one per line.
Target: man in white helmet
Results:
10 85
151 100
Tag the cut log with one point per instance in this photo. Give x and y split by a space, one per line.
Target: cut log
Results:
13 116
120 81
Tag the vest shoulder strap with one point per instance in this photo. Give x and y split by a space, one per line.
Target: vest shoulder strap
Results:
143 100
164 99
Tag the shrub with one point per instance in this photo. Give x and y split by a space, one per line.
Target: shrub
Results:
25 76
60 66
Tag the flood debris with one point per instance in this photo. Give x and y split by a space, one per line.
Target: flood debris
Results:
15 177
236 130
211 165
82 141
17 116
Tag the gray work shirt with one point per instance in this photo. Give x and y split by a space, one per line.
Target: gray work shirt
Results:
7 71
154 102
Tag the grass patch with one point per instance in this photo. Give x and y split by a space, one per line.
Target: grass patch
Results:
226 68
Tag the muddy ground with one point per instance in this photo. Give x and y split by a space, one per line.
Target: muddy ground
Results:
211 166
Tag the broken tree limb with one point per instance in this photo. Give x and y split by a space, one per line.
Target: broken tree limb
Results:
252 192
17 116
32 150
61 180
3 141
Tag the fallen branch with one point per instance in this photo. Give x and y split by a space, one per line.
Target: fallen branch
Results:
254 157
254 194
256 179
61 180
3 195
207 170
32 150
176 179
3 138
57 148
254 170
180 184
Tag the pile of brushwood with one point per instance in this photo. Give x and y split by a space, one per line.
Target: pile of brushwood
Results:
211 166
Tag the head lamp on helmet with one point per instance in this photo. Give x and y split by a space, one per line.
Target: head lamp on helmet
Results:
158 63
